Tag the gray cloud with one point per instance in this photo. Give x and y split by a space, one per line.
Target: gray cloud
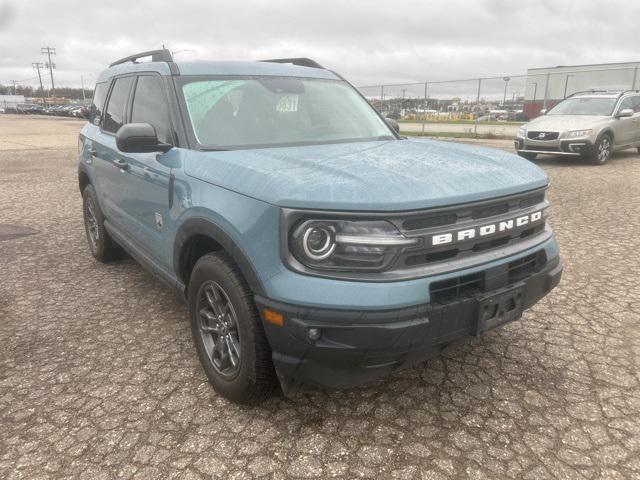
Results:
368 42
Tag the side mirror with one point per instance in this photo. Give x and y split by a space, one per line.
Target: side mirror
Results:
627 112
543 111
139 138
393 124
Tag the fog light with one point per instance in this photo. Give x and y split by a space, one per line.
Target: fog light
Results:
313 334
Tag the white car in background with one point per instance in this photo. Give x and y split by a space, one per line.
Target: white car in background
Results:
591 124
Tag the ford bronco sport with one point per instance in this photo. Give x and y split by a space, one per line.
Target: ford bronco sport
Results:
591 124
312 243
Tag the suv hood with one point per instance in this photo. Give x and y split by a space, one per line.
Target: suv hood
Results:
560 123
373 176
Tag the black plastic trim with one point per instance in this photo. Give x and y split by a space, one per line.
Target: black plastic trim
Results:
161 55
302 62
204 226
358 346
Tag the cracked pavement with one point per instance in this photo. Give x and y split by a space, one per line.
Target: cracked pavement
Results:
99 378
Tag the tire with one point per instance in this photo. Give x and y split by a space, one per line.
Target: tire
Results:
101 245
226 326
529 156
602 150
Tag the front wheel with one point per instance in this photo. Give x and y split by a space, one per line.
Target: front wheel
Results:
528 155
227 331
602 150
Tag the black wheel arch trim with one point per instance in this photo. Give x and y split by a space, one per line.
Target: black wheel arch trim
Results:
204 226
83 170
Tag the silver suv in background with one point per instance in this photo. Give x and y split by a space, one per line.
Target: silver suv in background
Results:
590 124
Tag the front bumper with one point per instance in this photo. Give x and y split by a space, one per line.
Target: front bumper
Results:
576 146
356 347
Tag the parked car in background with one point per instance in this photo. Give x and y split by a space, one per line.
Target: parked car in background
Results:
312 243
591 124
28 108
75 111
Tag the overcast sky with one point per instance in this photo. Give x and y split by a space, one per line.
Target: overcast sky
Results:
369 42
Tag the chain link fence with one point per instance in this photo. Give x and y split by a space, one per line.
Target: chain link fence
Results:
492 105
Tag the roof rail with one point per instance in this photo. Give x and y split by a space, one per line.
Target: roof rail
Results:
303 62
602 90
162 55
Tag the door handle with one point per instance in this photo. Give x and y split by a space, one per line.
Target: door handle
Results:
121 164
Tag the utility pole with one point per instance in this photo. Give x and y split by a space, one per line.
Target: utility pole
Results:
566 84
38 66
506 82
82 83
48 51
475 126
14 86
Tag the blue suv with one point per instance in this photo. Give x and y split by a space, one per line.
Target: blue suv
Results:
312 243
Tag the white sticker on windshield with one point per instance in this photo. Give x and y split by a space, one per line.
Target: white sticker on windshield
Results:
287 103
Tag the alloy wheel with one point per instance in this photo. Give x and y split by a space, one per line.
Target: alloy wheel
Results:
604 150
92 224
218 324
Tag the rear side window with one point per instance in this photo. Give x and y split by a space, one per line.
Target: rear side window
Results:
115 114
97 104
150 106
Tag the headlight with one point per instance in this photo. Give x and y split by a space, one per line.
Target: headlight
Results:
522 132
347 245
578 133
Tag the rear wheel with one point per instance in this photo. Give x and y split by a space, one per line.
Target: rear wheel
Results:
529 156
102 246
227 331
602 150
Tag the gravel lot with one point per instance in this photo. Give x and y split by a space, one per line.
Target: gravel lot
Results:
99 379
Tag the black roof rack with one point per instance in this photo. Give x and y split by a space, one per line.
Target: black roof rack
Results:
162 55
303 62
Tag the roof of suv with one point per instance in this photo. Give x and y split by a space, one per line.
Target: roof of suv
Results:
220 68
603 93
597 95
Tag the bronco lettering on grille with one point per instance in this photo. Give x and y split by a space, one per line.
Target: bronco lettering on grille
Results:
486 230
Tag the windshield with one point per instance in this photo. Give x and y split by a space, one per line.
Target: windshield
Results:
242 112
584 106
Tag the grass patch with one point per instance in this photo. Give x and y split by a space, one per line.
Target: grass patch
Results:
461 122
484 136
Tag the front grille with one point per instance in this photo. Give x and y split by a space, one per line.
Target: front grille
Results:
526 266
427 222
533 135
467 286
458 288
452 219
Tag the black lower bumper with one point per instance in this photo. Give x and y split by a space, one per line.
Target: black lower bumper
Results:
566 147
355 347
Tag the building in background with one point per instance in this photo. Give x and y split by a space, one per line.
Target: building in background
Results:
547 86
10 101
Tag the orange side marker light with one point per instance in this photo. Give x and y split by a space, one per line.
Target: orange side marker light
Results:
273 317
